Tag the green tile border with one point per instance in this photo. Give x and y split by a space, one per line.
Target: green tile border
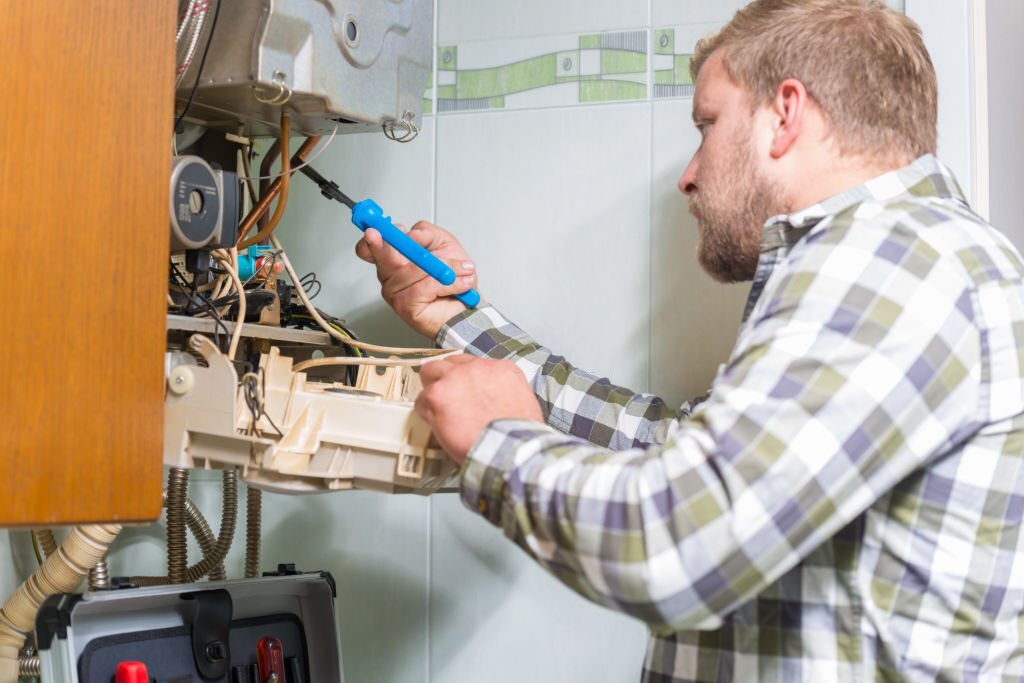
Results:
630 66
622 74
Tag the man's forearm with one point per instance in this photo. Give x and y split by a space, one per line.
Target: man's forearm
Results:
573 401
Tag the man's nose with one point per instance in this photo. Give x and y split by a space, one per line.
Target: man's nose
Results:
688 181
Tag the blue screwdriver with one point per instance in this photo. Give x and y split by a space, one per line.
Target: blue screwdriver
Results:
368 214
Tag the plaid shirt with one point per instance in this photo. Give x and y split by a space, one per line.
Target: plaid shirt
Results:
846 505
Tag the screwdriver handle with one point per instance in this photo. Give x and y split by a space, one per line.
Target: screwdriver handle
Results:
368 214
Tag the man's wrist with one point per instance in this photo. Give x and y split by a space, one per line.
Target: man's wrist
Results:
458 331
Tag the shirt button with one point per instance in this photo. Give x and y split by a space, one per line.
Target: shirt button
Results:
481 505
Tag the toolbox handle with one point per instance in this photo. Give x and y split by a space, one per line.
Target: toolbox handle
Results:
211 627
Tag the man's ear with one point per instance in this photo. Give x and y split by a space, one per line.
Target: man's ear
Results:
789 107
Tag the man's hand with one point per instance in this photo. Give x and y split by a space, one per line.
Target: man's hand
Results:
420 300
462 395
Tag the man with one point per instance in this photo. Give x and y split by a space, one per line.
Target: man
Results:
846 504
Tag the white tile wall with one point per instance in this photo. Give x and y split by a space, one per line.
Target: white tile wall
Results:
690 335
1005 55
554 205
17 560
459 20
944 25
496 616
665 12
375 546
669 12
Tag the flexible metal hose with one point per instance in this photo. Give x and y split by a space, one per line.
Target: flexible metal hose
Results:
99 576
46 541
177 547
253 515
200 528
29 667
184 20
214 549
144 581
193 42
227 529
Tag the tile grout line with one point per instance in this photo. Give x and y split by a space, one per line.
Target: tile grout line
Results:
650 196
428 674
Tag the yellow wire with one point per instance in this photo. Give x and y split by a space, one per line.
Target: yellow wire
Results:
35 547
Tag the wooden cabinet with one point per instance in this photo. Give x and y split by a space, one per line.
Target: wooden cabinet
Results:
85 148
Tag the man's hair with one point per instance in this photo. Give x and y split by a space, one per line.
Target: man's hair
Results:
863 64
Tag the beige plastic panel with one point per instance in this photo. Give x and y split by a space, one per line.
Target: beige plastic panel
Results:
333 437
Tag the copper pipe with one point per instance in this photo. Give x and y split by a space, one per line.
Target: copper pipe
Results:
282 195
275 187
268 160
282 199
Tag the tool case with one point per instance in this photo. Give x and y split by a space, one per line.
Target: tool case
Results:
193 632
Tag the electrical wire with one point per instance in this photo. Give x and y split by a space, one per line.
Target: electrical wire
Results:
183 286
431 354
202 63
344 360
282 199
333 322
229 261
304 320
35 548
312 280
253 391
307 162
267 268
267 196
247 169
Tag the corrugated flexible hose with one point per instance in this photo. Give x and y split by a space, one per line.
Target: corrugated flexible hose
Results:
62 572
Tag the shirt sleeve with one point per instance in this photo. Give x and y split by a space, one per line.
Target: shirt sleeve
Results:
859 364
573 401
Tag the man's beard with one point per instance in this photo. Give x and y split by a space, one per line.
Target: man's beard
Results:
731 206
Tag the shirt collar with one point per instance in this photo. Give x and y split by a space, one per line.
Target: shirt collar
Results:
926 176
